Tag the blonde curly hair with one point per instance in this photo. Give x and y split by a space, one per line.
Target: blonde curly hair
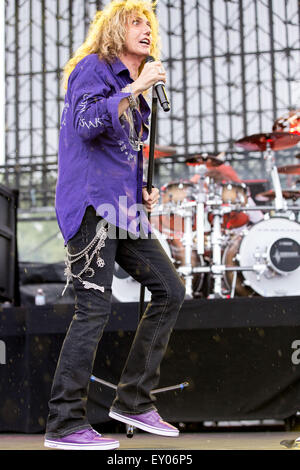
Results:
107 32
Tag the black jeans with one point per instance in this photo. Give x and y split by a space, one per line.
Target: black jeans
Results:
146 261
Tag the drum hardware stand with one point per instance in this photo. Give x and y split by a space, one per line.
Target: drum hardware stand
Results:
216 237
187 242
233 284
268 209
201 200
216 268
238 208
186 212
271 168
221 269
216 242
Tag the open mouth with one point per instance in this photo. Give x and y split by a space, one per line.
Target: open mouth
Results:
146 42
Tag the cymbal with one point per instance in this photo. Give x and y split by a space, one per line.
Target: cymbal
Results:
289 169
160 151
290 121
277 141
203 157
286 193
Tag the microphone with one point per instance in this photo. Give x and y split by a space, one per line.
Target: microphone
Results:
160 90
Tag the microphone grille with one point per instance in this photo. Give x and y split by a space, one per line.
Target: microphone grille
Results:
150 59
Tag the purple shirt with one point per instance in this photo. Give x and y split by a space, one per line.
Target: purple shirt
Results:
96 163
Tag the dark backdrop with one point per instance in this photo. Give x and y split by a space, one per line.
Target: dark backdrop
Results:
236 355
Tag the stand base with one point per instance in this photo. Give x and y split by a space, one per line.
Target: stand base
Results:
290 444
217 296
129 428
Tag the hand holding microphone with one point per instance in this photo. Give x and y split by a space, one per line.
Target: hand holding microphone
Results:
160 87
153 74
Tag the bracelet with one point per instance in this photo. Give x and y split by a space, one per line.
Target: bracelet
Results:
131 98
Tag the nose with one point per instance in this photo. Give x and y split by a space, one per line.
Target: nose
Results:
147 29
148 34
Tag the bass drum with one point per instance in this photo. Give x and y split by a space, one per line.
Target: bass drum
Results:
274 242
127 289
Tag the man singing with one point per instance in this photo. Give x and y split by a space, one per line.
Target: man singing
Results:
99 193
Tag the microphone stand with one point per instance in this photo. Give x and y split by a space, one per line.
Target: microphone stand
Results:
130 428
181 386
150 176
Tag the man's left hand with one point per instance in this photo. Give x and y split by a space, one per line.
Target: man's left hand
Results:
150 200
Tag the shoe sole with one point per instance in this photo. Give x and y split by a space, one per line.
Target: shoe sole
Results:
143 426
70 446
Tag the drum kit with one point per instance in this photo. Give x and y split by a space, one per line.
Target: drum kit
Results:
206 226
221 243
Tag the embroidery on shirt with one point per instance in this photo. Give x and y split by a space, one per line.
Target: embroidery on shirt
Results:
83 103
131 157
96 123
64 114
122 146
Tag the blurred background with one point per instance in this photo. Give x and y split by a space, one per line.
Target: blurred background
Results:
232 66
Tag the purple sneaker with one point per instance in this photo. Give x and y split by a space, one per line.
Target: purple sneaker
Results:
150 422
85 439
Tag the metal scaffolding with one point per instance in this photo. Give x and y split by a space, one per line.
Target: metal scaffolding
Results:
232 65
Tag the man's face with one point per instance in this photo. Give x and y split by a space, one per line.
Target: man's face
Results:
138 37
